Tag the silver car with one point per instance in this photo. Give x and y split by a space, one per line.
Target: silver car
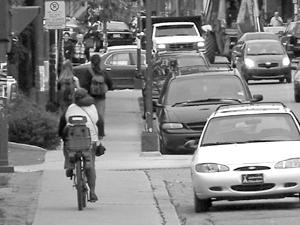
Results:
247 151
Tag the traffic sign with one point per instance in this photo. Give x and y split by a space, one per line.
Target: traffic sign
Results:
55 14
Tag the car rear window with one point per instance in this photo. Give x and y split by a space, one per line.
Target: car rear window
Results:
250 128
204 87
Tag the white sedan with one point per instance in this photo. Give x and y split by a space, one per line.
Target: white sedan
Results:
247 151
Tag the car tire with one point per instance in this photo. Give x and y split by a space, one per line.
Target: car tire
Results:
201 205
288 77
297 98
163 150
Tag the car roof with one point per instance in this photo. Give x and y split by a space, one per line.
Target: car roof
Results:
121 47
258 35
263 41
225 72
251 108
173 23
180 53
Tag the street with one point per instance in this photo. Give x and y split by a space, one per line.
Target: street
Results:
133 186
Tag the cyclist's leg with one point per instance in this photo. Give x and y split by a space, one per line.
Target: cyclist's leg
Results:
91 175
67 164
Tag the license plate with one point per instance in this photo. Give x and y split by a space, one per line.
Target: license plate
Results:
257 178
116 35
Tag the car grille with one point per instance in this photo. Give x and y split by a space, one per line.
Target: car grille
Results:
256 187
182 46
268 65
252 168
198 126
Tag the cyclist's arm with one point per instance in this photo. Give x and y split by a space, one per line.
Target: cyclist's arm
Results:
62 125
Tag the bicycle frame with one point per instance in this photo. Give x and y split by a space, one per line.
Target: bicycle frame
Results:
80 181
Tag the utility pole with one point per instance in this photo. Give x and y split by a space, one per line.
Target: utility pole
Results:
139 37
5 35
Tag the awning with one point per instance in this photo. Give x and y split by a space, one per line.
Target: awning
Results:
22 16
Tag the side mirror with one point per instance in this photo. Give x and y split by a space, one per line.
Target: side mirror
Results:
206 28
257 98
191 144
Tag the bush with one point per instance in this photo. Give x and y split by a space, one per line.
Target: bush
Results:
31 124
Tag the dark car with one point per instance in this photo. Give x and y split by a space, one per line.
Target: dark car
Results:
118 33
291 38
121 66
187 101
297 86
263 59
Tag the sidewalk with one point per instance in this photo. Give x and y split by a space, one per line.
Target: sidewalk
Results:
126 195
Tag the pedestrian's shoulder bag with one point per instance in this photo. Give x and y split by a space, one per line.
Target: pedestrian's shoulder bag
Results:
98 86
99 149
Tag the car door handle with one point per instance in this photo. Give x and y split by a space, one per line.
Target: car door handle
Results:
108 69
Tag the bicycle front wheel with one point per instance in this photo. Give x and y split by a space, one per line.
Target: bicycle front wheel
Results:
79 186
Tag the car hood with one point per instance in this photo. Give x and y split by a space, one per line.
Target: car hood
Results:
266 58
177 39
250 153
190 114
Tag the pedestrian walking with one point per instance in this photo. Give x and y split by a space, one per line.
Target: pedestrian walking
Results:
276 20
83 106
66 85
79 51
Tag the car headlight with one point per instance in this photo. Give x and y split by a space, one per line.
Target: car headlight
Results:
249 63
211 168
286 61
172 126
287 164
161 46
200 44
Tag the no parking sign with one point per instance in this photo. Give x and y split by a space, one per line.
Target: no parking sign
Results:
55 14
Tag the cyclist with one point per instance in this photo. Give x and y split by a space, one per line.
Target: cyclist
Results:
84 106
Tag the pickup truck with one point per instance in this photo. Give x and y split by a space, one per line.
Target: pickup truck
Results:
176 36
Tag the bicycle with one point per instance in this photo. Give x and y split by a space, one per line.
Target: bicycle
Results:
78 144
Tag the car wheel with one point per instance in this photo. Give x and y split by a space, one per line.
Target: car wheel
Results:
162 148
201 205
297 98
288 77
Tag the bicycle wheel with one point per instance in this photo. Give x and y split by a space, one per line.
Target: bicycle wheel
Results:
79 186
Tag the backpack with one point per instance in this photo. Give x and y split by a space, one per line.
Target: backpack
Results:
98 87
67 89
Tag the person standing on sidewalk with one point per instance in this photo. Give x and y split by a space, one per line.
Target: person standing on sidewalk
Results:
66 85
83 106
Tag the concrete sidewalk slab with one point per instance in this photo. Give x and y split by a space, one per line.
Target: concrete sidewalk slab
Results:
126 194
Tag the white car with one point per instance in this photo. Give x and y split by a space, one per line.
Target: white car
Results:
247 151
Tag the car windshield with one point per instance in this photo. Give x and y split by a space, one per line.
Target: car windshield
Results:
178 30
250 128
264 48
203 87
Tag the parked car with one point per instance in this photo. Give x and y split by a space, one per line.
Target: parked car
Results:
297 86
121 66
291 38
118 33
263 59
186 102
247 151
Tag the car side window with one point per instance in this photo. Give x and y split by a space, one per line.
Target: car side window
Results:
119 59
134 59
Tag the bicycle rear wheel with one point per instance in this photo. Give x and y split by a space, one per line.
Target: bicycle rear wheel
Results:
81 197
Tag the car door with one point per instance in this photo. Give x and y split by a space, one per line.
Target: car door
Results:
286 39
138 78
119 68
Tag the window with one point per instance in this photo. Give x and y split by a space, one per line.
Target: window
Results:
119 59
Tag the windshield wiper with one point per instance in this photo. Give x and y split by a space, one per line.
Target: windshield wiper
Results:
206 100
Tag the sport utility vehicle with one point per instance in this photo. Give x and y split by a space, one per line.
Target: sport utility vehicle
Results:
291 38
187 101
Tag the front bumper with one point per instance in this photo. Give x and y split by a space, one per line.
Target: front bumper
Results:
228 185
266 73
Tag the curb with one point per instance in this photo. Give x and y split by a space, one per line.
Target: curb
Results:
14 145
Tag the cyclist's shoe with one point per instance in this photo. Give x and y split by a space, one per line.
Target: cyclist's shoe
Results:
93 197
69 173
